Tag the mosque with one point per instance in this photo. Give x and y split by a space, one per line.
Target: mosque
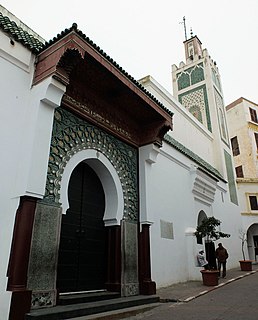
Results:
104 178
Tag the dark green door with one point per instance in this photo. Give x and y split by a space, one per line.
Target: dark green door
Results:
82 252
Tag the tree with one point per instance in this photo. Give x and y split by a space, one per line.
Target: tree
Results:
208 229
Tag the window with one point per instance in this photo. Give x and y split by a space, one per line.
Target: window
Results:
253 202
235 146
239 172
253 115
256 139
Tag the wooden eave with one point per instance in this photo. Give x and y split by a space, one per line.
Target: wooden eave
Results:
64 59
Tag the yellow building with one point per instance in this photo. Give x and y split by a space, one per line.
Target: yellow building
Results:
242 116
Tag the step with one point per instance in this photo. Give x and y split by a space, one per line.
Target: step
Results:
121 313
89 308
87 297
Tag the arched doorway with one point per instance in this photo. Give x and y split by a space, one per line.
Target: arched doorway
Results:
252 242
82 260
209 244
201 216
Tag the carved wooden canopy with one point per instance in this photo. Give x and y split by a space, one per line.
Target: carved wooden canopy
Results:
98 90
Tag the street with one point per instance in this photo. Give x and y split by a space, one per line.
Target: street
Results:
235 301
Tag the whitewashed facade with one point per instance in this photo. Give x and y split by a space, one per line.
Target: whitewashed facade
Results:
153 178
180 192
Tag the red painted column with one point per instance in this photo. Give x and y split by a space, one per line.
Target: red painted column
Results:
19 258
147 286
113 283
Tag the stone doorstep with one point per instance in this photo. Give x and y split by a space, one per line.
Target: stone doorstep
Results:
86 297
85 309
121 313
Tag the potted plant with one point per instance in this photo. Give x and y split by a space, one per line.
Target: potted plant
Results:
208 230
245 265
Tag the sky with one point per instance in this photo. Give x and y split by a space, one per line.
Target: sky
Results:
146 37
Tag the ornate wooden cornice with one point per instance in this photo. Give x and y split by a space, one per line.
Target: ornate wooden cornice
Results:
99 91
90 112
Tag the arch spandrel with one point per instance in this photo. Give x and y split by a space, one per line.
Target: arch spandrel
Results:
72 135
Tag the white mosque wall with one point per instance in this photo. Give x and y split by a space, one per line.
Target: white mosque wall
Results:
26 115
16 65
186 128
173 210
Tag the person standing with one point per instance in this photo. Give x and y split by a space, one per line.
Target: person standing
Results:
202 261
221 255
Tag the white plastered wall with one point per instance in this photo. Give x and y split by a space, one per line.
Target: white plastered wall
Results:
26 115
185 125
171 197
16 64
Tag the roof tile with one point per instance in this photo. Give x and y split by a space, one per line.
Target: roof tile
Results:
191 155
37 46
20 35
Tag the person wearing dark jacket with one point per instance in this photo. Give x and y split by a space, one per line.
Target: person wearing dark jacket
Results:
221 255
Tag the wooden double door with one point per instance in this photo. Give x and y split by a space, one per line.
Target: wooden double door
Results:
82 261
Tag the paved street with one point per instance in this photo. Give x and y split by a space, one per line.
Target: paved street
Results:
237 300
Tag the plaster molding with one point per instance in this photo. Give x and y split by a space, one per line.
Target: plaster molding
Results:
204 188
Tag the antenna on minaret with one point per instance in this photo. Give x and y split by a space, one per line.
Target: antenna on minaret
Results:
184 27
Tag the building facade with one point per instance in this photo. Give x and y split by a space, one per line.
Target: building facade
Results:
197 86
243 128
98 192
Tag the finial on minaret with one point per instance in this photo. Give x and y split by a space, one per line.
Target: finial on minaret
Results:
191 32
184 27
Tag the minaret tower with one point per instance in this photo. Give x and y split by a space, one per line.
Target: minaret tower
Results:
197 86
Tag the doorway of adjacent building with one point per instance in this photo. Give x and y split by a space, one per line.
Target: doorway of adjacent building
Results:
82 261
255 238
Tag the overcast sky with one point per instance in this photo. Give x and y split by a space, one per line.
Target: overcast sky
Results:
146 37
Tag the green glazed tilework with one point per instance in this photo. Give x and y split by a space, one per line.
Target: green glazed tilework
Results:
196 111
197 75
71 135
231 178
183 81
221 116
20 35
190 76
215 78
197 99
191 155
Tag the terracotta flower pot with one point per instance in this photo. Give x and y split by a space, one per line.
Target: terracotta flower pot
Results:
210 277
246 265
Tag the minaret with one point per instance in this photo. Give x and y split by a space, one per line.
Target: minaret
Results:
197 86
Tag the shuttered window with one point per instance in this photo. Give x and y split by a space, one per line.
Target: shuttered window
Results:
239 172
235 146
253 202
256 139
253 115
